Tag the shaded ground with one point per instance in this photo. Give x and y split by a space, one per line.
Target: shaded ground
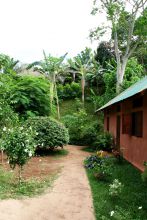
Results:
70 197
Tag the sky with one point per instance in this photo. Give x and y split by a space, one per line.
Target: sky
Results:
57 26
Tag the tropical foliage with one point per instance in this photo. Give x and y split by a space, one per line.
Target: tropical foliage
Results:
70 90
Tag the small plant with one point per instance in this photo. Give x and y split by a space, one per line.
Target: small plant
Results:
104 141
115 188
144 174
19 146
100 166
91 161
118 154
104 169
50 133
100 153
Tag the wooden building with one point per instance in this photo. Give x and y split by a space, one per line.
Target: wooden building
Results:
125 117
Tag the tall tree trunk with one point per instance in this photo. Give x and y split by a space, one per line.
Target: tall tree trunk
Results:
83 88
74 76
57 102
52 87
120 74
51 96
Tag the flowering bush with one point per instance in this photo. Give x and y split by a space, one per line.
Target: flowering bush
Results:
100 165
91 161
115 188
121 214
19 145
50 133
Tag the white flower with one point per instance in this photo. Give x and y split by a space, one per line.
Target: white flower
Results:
30 153
26 150
42 144
36 133
111 213
21 128
4 128
140 207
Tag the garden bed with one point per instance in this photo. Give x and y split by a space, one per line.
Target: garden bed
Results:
132 201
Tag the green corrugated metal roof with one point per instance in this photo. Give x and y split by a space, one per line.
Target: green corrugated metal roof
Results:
131 91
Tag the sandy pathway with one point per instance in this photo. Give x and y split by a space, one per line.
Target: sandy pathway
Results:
69 199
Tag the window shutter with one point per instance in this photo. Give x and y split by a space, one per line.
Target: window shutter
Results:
126 124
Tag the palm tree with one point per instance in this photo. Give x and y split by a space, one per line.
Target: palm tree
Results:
7 64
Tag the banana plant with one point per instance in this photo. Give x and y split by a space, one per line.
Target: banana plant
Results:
83 68
51 68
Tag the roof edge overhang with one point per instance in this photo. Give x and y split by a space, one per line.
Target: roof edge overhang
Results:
123 96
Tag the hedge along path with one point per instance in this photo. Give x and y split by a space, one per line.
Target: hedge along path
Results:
70 197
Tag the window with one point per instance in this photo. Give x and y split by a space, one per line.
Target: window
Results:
107 123
118 108
137 124
138 102
108 111
126 124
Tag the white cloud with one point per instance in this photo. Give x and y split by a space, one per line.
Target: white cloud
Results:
29 26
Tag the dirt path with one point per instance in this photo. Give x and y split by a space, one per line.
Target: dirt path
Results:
69 199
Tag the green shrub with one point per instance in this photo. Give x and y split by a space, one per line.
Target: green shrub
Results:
104 142
76 89
29 96
50 133
75 124
69 91
90 132
81 130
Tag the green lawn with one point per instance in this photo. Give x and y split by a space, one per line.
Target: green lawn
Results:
126 206
69 107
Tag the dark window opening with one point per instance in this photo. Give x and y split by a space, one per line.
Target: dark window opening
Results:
126 124
118 108
107 123
107 111
138 102
137 124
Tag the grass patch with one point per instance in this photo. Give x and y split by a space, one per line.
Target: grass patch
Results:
89 149
126 206
56 153
10 188
69 107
